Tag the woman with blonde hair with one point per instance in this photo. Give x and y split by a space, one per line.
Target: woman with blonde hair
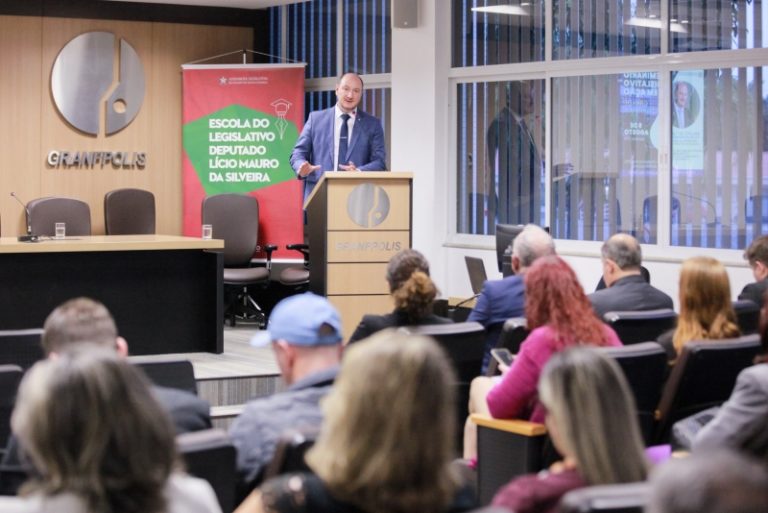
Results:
98 442
386 443
591 419
413 293
706 310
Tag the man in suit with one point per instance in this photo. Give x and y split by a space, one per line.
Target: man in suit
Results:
342 138
682 115
514 172
626 289
504 299
757 256
82 321
305 334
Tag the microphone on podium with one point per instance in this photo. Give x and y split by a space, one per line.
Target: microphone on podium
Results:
28 237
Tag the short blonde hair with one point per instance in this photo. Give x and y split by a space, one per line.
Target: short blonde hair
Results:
388 435
91 427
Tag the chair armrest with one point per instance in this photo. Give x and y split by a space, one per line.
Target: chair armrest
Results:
506 449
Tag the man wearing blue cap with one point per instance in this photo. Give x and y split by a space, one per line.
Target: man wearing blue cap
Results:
305 333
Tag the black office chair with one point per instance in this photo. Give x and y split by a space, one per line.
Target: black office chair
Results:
464 343
44 213
645 367
21 347
505 234
10 377
514 331
703 376
747 316
177 374
297 277
643 326
614 498
289 454
129 212
235 218
210 455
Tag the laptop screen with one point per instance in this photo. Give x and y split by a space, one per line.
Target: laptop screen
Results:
476 270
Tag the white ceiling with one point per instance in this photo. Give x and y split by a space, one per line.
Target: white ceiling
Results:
241 4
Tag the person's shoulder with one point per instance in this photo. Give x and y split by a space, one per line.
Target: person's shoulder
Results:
37 503
756 375
187 494
504 284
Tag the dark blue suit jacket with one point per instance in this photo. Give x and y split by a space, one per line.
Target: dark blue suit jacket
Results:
500 300
366 148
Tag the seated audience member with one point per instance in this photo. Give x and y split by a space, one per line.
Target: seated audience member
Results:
742 422
387 441
305 333
626 287
83 320
709 482
99 442
504 299
592 423
706 310
413 292
757 256
559 316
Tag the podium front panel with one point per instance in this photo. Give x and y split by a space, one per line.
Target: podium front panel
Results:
365 278
371 246
370 205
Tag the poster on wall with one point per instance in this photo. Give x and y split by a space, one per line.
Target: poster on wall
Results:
240 123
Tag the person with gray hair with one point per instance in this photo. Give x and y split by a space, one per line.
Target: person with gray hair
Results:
626 289
709 482
503 299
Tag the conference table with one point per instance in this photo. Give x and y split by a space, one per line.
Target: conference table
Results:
164 291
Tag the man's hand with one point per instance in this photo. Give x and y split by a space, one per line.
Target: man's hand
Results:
307 168
348 167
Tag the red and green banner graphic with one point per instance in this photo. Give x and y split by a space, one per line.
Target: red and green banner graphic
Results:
240 125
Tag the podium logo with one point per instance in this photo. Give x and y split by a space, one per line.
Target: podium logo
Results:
368 205
83 83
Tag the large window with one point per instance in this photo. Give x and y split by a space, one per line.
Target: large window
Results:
620 133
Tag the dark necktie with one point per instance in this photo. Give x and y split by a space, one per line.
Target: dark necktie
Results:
343 136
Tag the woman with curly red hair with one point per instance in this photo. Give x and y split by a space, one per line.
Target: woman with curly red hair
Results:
558 315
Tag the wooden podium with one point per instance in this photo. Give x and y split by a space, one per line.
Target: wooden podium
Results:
356 222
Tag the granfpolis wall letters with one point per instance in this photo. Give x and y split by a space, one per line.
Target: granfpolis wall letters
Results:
84 92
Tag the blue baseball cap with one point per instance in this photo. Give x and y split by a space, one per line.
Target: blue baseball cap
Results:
302 320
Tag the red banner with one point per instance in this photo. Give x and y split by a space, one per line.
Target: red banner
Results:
240 125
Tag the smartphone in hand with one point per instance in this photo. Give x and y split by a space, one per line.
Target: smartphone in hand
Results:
502 355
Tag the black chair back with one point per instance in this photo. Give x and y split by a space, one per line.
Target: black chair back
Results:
210 455
289 454
615 498
643 326
177 374
645 367
505 234
129 212
747 316
704 376
10 376
44 213
21 347
513 332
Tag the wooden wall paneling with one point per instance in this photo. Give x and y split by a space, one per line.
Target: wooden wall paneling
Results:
174 45
20 90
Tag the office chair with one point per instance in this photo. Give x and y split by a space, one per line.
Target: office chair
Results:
21 347
703 376
129 212
44 213
512 334
210 455
634 327
645 367
614 498
178 374
235 218
297 277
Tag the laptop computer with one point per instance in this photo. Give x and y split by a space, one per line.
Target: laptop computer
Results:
477 275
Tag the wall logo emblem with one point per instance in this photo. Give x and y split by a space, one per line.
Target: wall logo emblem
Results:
83 82
368 205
